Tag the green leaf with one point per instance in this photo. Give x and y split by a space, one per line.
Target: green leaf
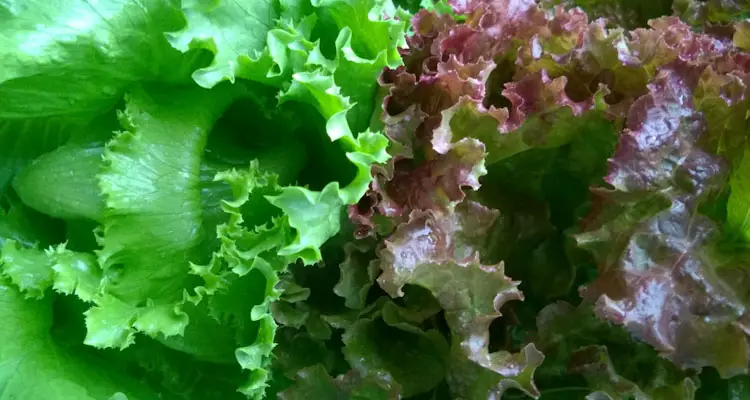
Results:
363 150
34 366
710 11
25 140
28 227
314 215
76 58
315 383
242 275
416 359
738 206
75 273
152 219
296 350
63 183
742 35
626 13
29 269
179 375
33 271
233 30
713 387
582 348
358 77
358 273
594 363
371 32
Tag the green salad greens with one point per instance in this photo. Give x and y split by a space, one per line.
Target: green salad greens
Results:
374 199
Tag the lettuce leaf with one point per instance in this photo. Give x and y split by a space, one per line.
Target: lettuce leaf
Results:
314 381
79 58
193 208
586 352
33 364
655 235
440 253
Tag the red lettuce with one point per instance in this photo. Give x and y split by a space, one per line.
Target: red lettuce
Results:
535 91
666 233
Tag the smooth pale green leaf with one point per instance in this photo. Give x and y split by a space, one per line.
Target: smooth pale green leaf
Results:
233 30
34 366
24 140
63 183
65 57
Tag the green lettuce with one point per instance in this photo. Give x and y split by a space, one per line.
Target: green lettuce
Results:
164 163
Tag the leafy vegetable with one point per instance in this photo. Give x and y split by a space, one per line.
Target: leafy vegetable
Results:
374 199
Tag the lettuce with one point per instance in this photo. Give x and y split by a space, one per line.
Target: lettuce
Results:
181 157
374 199
30 353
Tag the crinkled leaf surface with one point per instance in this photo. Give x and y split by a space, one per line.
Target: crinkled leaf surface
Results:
234 30
34 366
583 350
437 251
153 213
658 253
315 382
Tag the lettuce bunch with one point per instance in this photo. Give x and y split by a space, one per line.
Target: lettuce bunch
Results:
362 199
162 164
